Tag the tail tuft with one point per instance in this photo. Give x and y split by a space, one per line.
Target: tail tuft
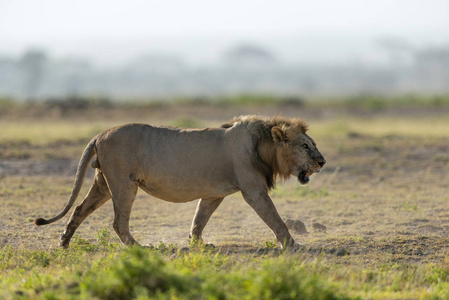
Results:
40 221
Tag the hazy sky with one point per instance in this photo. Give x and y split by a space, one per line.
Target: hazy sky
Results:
132 26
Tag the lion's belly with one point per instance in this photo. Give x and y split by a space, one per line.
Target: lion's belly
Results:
184 193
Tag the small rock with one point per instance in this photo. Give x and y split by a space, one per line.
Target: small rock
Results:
319 227
297 226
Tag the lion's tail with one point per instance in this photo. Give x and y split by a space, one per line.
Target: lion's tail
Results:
88 153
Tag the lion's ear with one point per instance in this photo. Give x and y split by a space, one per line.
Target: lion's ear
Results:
278 135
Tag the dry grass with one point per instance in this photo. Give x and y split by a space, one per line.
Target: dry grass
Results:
383 197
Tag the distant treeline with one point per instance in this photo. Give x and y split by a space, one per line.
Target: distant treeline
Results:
35 74
368 101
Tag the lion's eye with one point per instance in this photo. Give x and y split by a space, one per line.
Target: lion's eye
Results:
305 146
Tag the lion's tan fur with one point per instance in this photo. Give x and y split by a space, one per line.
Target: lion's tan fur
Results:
246 154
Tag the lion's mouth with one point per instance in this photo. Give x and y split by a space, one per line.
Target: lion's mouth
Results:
304 177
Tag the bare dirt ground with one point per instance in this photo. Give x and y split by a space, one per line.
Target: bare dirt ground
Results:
381 197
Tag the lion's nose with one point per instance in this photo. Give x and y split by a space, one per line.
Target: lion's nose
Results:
321 163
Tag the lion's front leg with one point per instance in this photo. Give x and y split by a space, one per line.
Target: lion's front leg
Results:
264 207
204 210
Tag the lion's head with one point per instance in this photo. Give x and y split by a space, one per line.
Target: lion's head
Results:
296 152
282 148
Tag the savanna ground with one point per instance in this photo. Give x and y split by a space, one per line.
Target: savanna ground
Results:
383 198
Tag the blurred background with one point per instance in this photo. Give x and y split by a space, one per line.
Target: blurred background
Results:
162 49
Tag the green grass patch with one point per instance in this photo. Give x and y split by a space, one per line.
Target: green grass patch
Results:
97 272
386 127
103 271
44 133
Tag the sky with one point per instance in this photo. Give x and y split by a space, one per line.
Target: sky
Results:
114 30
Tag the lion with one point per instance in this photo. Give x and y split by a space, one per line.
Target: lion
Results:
247 154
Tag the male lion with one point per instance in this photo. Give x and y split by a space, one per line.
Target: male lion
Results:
179 165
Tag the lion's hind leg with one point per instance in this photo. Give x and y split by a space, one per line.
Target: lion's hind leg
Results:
96 197
123 196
